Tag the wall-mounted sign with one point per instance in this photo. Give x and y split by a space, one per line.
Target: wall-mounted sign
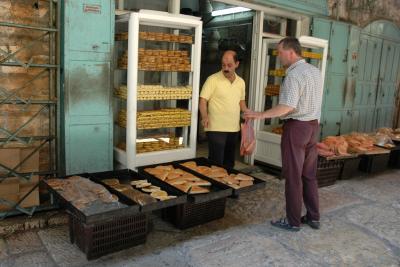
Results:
94 9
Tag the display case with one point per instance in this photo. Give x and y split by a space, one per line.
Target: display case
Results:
268 131
156 80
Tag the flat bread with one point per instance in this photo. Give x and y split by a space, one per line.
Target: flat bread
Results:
162 176
189 164
218 174
136 182
183 187
121 187
151 189
245 183
173 175
244 177
142 185
177 181
201 183
162 198
165 167
198 190
229 180
111 181
159 193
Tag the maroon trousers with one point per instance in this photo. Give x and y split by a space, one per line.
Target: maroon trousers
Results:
299 168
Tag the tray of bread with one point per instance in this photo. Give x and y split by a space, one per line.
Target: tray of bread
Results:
149 193
272 89
159 60
198 190
166 37
159 144
157 36
156 92
154 119
88 200
227 177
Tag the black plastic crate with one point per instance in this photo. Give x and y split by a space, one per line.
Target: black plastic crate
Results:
350 168
394 158
192 214
328 171
374 163
257 183
99 239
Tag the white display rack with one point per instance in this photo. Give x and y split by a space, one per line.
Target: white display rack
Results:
155 21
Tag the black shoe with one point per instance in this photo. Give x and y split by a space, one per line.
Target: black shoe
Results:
284 224
311 223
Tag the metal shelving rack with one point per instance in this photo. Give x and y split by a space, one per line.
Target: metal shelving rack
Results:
51 104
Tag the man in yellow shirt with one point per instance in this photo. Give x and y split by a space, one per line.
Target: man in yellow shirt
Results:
221 100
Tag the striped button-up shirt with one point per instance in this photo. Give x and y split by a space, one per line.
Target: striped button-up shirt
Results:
302 90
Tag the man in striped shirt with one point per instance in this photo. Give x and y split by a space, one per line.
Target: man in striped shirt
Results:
299 106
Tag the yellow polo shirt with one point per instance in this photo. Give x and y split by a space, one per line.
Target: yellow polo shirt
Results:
223 99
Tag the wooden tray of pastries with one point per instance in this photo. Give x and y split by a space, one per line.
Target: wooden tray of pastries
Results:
198 190
156 92
162 118
88 200
227 177
150 194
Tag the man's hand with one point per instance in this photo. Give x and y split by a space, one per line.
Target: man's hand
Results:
205 122
249 114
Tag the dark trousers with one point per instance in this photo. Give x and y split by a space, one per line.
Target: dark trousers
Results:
221 147
299 168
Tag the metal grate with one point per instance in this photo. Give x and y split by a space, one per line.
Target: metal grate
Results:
33 107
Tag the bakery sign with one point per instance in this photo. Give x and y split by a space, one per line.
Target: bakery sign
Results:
94 9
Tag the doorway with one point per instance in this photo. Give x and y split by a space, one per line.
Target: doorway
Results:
231 31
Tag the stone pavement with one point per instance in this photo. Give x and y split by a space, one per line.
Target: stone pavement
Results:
360 227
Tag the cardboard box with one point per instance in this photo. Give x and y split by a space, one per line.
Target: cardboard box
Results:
13 189
12 156
32 199
10 197
9 186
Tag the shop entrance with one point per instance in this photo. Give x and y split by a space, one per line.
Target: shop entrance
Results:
225 27
271 75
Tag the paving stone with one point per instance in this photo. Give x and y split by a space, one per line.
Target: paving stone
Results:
133 257
387 183
334 198
359 228
337 243
241 248
260 205
382 220
56 240
6 262
24 242
33 259
3 249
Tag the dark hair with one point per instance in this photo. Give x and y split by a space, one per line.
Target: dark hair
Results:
291 43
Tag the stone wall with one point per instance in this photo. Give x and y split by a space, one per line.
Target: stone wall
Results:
363 12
